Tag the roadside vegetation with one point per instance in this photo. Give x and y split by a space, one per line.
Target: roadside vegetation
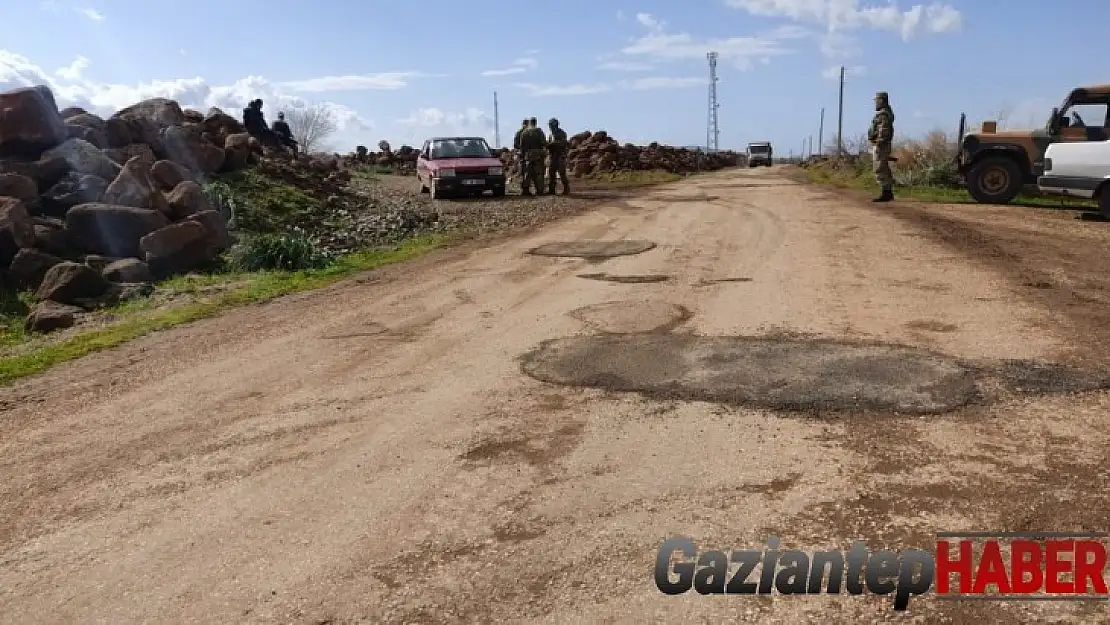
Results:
925 171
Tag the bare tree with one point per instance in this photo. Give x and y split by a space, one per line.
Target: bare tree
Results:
312 126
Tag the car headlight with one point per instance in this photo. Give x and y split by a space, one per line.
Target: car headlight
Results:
447 173
496 171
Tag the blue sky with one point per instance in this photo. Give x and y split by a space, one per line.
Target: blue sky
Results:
635 68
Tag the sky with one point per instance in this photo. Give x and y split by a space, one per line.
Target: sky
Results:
635 68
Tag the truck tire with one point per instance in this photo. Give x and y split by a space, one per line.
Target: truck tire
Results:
1104 202
995 180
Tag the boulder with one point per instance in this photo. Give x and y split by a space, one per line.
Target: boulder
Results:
71 283
238 151
29 122
214 223
111 230
193 116
71 190
87 120
177 248
22 188
100 263
168 174
45 171
162 111
17 231
50 236
72 111
85 158
187 199
29 268
92 135
187 146
127 270
133 187
50 316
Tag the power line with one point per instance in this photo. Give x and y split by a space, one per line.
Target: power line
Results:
713 131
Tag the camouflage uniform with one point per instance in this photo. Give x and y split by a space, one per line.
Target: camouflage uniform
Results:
533 145
881 134
518 166
557 149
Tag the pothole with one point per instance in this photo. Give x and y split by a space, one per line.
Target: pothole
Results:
792 375
640 279
632 317
592 249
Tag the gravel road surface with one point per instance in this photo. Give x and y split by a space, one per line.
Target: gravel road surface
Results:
506 432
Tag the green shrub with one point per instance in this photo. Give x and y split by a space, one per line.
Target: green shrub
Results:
279 251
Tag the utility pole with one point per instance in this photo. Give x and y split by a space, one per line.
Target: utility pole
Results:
840 118
496 123
821 134
712 131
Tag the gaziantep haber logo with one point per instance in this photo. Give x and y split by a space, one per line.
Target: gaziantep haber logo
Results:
987 566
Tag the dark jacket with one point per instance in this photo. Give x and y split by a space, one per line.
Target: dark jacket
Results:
282 130
558 144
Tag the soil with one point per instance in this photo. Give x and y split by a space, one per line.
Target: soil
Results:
374 452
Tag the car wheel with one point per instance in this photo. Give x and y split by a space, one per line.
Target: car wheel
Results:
499 192
994 180
434 193
423 187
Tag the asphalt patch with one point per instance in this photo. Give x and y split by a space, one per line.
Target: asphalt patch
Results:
792 375
592 249
641 279
632 317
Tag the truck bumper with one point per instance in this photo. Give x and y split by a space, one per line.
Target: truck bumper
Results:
473 183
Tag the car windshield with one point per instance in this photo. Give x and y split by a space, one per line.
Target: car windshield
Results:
461 148
759 149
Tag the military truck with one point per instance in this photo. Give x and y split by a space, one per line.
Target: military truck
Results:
996 165
760 153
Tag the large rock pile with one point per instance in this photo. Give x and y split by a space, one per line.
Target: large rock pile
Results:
403 160
92 209
597 152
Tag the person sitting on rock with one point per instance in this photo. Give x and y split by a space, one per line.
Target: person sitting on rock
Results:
253 120
285 134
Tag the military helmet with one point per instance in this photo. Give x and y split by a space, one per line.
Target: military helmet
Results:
881 95
552 122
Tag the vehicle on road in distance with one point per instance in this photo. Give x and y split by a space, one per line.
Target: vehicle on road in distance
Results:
760 153
1079 170
457 166
996 165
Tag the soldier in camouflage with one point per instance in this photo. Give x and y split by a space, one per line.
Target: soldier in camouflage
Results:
881 134
533 146
557 151
518 167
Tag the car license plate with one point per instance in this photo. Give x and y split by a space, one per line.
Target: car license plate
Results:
474 182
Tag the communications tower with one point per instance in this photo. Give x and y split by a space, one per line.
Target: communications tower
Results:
712 132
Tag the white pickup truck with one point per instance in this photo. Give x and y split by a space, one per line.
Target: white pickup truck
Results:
1080 169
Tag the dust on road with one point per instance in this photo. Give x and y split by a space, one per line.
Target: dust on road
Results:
375 453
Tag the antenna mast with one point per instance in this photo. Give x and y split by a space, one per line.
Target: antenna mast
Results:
496 123
713 131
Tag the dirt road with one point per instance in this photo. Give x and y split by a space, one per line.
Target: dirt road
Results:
492 435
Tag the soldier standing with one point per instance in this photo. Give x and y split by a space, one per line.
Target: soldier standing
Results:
518 167
533 144
881 134
557 149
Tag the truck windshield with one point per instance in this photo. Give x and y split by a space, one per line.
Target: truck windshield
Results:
475 147
759 149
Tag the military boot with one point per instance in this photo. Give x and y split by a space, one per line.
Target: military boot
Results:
886 196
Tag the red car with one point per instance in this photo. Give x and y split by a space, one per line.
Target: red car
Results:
459 166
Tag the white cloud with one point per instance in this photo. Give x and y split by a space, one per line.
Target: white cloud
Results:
650 21
71 89
518 66
389 81
664 82
838 46
740 50
833 73
73 70
92 14
850 14
618 66
557 90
